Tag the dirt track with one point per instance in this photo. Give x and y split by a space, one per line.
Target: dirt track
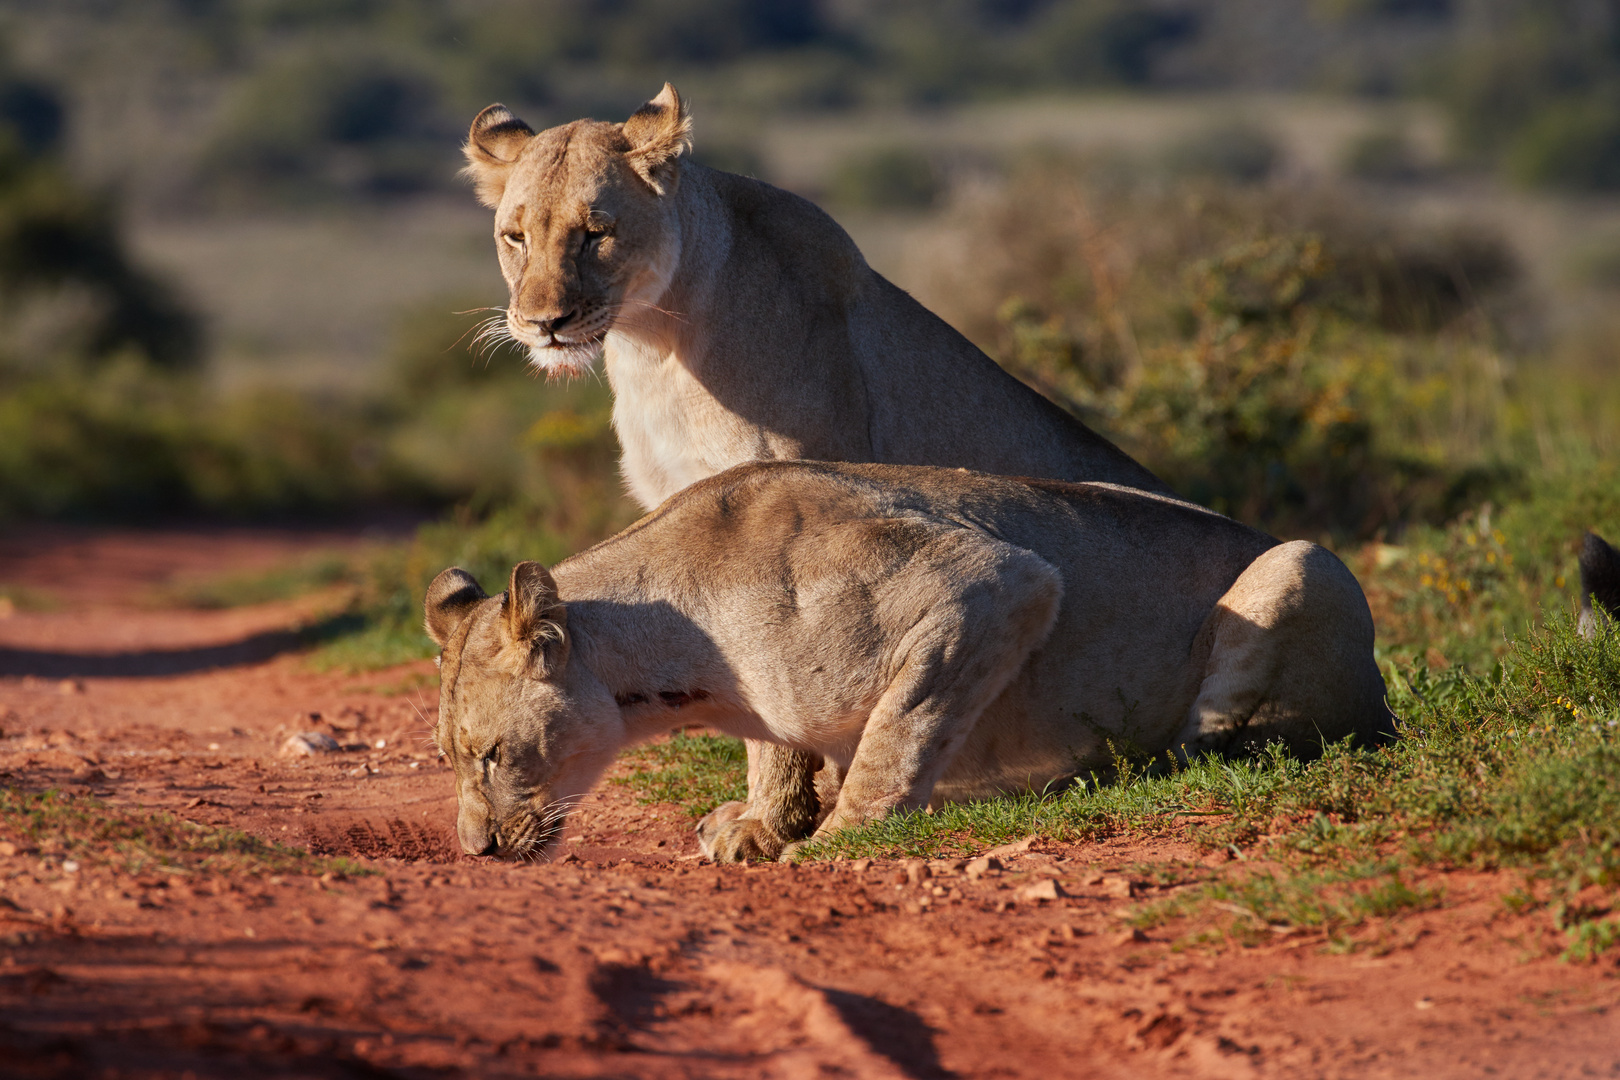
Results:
630 956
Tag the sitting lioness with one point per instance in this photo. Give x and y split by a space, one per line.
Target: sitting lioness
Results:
932 634
737 322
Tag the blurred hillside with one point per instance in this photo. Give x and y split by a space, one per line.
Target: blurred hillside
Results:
188 101
238 244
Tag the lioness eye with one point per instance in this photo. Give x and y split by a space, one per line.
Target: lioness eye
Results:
513 238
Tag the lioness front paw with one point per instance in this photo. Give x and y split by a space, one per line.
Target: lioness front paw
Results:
745 840
715 820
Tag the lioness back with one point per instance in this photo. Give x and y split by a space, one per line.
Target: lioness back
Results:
786 550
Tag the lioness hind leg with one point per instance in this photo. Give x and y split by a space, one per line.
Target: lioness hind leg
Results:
1289 659
990 605
782 807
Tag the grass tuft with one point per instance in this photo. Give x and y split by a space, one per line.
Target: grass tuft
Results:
695 772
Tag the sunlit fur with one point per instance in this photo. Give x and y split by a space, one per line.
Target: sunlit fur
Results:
928 634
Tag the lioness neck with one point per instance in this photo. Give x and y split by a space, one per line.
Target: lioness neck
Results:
773 339
650 650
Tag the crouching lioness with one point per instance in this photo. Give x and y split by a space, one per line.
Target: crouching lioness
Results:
932 634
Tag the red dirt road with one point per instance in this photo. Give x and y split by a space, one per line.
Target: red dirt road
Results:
631 957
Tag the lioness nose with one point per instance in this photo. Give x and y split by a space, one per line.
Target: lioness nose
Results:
476 837
552 325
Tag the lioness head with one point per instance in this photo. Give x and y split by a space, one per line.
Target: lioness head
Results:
526 740
585 225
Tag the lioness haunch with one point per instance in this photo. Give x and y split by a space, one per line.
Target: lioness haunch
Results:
931 634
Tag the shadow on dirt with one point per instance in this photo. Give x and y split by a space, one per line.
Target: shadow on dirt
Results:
153 663
896 1033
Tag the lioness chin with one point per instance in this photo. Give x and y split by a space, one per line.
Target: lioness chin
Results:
928 634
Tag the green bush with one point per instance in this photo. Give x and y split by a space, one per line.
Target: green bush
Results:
334 121
385 625
1237 152
1383 154
127 441
1271 410
1281 359
894 178
1572 145
57 238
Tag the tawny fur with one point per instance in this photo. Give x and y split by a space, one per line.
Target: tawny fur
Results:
929 634
737 322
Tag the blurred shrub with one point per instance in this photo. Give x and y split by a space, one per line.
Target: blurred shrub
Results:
1597 262
1383 154
334 121
705 31
481 427
125 439
1262 414
1238 152
1287 362
732 156
1540 93
1571 145
1107 42
891 178
128 441
32 113
56 239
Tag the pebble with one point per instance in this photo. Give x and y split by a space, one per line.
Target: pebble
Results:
917 871
1044 889
308 744
860 866
1118 886
1017 847
981 866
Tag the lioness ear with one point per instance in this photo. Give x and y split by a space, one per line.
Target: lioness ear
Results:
536 618
452 594
659 132
493 145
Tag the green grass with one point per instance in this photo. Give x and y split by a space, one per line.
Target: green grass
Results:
696 772
384 627
138 841
1330 902
1514 769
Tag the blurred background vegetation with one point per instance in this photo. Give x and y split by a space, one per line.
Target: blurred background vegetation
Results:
1345 269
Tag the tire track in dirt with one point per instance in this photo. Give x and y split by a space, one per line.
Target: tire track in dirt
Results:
394 838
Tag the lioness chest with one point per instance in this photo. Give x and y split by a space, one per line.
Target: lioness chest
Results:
673 428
